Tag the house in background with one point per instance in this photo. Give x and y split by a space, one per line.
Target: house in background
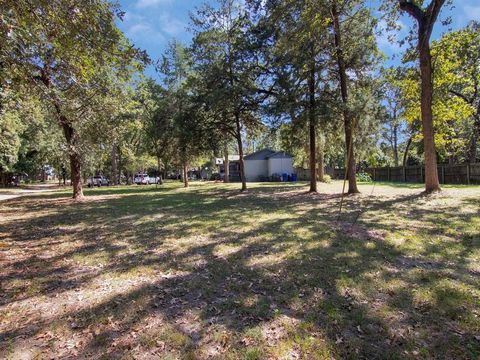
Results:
268 164
234 167
262 165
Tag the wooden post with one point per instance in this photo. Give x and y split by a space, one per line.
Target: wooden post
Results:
443 174
404 174
388 174
468 174
421 173
374 174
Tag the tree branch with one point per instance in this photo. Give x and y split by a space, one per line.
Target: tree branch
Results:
269 92
434 9
461 96
412 9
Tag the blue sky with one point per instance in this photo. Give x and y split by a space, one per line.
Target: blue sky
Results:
151 24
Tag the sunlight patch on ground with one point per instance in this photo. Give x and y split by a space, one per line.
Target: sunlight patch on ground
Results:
270 273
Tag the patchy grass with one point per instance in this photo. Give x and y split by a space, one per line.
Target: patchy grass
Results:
209 272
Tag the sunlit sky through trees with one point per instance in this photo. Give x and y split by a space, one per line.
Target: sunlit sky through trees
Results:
151 24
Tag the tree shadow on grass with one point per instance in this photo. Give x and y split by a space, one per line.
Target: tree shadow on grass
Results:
346 294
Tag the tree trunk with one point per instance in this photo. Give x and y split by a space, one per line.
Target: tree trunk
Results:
76 167
425 21
395 144
70 136
311 125
240 152
159 170
347 116
431 173
185 175
350 160
321 165
114 164
407 149
474 140
119 166
74 156
226 165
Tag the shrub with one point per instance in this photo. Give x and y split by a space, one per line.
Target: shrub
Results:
215 177
327 178
363 177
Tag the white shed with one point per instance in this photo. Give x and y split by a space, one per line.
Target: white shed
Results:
280 163
267 162
256 165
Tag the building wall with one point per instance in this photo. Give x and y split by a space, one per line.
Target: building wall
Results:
234 171
255 168
280 166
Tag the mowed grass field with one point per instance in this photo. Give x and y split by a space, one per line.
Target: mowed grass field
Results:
273 273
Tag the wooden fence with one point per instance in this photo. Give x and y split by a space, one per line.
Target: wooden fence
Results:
447 174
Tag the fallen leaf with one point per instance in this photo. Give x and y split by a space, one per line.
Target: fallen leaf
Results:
247 340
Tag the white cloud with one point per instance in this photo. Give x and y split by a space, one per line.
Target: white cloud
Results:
171 26
137 29
139 26
388 40
144 32
151 3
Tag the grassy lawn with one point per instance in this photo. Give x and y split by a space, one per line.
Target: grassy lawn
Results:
209 272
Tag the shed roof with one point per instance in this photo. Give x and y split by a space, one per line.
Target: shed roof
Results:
260 155
280 155
265 154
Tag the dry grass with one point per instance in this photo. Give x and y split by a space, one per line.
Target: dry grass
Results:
208 272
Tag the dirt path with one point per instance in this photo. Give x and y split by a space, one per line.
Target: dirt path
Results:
7 194
4 197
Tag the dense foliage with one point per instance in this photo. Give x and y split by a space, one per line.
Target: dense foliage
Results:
304 76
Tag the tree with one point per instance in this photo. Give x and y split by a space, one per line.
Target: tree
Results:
41 145
159 126
457 75
354 49
426 18
293 36
180 112
394 108
223 61
453 97
10 129
70 53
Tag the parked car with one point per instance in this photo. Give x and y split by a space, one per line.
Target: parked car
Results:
141 179
144 179
98 181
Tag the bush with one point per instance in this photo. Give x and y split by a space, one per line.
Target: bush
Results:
327 178
215 177
363 177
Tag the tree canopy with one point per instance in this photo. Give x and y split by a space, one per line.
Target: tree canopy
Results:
306 76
